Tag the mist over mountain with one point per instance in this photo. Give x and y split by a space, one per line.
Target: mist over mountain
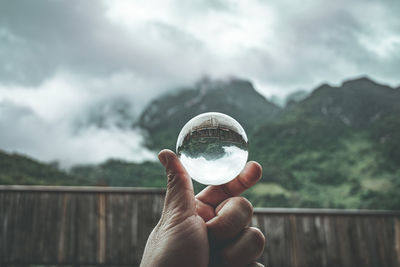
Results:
90 135
296 96
337 147
116 112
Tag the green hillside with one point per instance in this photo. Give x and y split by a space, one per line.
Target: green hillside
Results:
19 169
121 173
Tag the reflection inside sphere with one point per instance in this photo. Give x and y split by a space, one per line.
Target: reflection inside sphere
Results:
213 148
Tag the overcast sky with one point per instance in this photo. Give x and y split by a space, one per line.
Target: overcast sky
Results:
61 59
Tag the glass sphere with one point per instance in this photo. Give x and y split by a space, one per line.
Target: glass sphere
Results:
213 148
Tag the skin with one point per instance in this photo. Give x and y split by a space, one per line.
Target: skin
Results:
209 229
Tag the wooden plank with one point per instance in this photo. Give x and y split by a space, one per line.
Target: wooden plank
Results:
112 237
101 217
357 246
128 229
292 231
119 248
280 236
391 224
332 242
397 239
320 241
372 240
71 230
146 222
62 233
3 226
274 228
311 249
344 246
383 249
87 229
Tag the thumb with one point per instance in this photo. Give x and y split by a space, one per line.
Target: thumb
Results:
179 199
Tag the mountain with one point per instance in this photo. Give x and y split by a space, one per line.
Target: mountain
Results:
339 148
165 116
357 103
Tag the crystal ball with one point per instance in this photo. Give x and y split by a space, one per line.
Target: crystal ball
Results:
213 148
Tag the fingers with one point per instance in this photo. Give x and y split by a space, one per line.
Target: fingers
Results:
214 195
204 211
244 250
232 216
179 199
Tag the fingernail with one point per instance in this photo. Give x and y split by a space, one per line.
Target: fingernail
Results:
163 159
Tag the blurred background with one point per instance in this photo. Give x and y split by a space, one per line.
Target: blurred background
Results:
90 91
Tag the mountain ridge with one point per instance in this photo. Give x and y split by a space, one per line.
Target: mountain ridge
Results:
231 97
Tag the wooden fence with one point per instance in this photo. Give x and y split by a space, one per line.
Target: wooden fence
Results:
81 226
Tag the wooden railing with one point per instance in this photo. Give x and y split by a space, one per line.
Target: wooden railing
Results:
76 226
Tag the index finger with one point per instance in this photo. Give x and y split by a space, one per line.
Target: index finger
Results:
215 194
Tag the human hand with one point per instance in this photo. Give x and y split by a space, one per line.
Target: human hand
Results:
215 221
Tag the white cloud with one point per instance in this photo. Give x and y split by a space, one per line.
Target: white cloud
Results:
25 132
44 122
61 59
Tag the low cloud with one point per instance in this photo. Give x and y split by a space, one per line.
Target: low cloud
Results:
25 132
